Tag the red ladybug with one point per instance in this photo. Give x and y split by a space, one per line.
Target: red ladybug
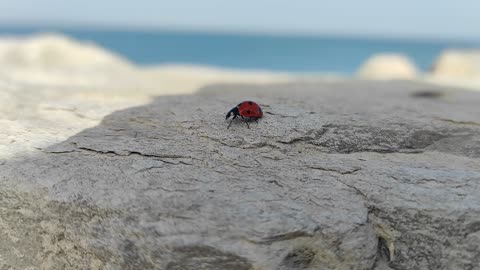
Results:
246 109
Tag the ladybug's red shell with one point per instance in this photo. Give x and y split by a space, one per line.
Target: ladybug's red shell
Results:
250 109
246 110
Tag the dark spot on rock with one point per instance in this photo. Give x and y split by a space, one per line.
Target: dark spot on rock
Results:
133 258
427 94
207 258
383 251
421 139
299 258
472 227
60 236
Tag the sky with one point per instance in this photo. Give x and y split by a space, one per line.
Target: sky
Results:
438 19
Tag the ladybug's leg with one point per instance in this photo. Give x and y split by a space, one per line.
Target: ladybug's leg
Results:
235 116
245 121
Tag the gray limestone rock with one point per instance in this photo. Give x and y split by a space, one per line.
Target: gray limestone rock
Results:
344 175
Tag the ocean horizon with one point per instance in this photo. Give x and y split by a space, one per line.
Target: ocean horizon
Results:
244 51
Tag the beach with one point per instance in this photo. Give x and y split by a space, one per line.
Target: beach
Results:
108 165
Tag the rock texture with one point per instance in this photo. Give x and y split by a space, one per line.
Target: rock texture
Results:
387 67
348 175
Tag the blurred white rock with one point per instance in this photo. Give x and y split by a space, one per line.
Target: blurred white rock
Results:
458 64
57 60
387 67
53 51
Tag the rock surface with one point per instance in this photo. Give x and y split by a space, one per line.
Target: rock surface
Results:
337 175
390 175
387 67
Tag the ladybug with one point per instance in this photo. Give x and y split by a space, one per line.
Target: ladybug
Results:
246 109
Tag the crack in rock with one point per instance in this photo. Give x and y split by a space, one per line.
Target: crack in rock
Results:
282 115
358 191
311 135
336 170
206 257
119 153
282 237
459 122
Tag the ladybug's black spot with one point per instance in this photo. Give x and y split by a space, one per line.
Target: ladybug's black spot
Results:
250 103
248 111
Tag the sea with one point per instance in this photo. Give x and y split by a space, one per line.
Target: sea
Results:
268 52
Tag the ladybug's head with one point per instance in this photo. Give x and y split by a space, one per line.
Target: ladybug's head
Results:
233 111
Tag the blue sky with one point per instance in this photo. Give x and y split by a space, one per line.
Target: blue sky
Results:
444 19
